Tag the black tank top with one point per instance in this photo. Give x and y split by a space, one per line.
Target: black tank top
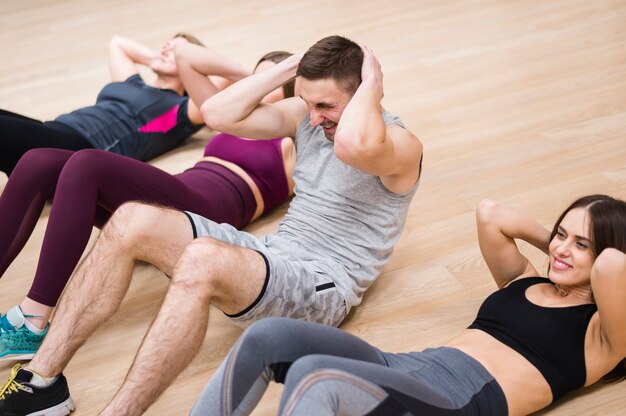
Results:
551 339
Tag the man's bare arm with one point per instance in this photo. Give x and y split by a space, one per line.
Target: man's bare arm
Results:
364 141
238 109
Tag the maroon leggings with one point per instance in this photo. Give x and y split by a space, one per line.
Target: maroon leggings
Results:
85 188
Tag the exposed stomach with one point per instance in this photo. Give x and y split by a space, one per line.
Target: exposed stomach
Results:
526 390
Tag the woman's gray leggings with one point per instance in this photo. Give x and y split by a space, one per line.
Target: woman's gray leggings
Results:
327 371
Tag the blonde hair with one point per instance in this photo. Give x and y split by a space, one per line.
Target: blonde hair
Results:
189 38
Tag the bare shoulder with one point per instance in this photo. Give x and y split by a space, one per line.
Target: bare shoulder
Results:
408 151
407 145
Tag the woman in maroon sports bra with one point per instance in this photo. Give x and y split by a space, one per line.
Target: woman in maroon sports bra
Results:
533 341
236 181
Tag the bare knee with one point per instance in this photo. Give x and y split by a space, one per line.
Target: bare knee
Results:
199 270
131 224
228 276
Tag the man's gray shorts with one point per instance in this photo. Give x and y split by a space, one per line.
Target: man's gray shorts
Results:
296 286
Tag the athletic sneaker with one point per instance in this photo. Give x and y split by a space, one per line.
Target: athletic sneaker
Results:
24 395
17 342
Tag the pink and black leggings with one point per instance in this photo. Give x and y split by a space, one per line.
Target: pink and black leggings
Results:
85 188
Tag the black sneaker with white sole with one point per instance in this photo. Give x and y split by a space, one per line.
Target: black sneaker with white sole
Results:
20 397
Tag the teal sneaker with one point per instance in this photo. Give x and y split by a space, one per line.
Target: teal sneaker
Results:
17 342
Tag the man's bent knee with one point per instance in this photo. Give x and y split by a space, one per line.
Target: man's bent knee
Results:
220 271
197 270
131 223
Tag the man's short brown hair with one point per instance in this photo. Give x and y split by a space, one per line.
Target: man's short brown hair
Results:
333 57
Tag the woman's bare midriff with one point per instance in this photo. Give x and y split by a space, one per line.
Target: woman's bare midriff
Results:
525 388
288 149
289 160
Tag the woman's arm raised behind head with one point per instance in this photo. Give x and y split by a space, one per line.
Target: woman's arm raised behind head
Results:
608 284
124 55
196 64
498 227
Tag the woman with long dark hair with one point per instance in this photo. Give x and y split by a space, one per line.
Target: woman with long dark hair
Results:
533 340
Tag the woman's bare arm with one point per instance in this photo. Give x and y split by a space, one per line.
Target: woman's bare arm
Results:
124 55
498 227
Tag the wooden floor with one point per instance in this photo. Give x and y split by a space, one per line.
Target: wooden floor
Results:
522 101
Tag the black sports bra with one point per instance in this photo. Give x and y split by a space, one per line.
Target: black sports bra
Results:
552 339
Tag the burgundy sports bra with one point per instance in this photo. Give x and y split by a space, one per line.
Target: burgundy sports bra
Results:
261 159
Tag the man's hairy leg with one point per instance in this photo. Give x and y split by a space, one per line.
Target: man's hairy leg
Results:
135 232
209 271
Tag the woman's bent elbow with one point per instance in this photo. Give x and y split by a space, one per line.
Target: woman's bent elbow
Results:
485 210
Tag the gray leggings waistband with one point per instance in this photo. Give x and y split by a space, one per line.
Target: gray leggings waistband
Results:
465 383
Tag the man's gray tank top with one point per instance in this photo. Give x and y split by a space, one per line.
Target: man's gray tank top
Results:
342 214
